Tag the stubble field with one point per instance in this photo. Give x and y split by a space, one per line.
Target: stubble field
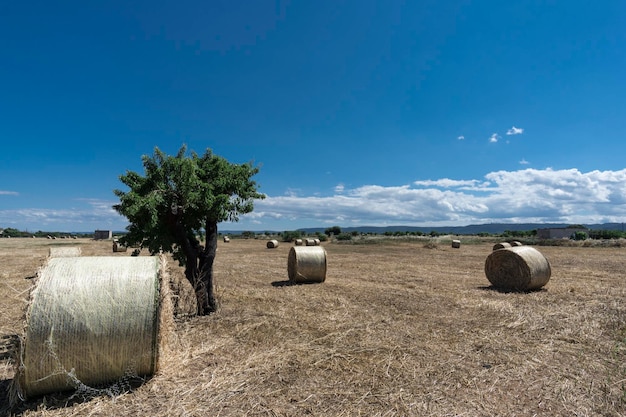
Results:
397 329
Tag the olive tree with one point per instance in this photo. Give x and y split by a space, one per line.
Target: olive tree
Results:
180 198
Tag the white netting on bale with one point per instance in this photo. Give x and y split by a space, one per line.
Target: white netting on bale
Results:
92 321
64 251
306 264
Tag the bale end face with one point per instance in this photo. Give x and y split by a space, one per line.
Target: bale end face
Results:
518 268
306 264
501 245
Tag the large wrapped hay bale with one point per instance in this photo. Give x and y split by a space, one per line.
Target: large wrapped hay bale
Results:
92 321
501 245
518 268
456 243
306 264
64 251
272 244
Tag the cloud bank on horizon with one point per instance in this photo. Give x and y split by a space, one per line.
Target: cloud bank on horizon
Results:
523 196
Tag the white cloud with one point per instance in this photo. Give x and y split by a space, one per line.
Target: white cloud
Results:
8 192
461 137
86 215
493 138
527 195
515 131
524 162
447 183
339 188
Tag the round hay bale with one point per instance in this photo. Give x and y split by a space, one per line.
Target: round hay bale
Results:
118 247
64 251
501 245
317 242
298 242
92 321
516 243
272 244
519 268
226 239
456 243
309 242
306 264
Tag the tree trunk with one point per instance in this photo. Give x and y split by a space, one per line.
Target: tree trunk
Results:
206 300
199 266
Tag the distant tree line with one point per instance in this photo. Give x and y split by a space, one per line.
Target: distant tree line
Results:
12 232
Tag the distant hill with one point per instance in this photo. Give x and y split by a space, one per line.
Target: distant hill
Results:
474 229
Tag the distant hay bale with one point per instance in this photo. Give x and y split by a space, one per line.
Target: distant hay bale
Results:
64 251
317 242
271 244
309 242
226 239
298 242
93 321
518 268
501 245
456 243
516 243
118 247
306 264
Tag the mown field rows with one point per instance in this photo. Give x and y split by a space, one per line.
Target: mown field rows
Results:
397 329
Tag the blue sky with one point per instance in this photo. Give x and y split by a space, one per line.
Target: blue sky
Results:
358 112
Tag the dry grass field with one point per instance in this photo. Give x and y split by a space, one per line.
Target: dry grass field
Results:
397 329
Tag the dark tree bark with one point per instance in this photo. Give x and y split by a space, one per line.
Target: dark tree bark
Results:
199 265
205 266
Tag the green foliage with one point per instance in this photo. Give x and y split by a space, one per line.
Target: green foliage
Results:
11 232
191 191
344 236
519 233
606 234
291 235
579 236
248 234
335 230
321 236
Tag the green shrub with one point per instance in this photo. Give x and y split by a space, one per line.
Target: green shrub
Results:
344 236
291 235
